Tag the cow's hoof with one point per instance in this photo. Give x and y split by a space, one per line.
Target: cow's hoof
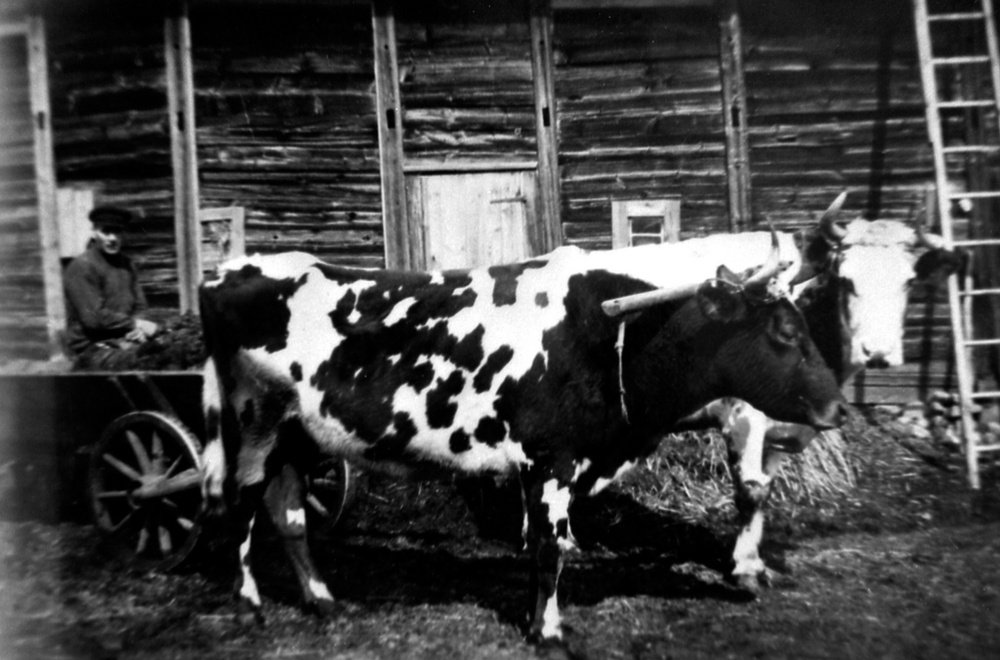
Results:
215 508
554 649
324 609
749 582
249 616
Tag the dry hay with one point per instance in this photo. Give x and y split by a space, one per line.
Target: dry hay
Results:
689 475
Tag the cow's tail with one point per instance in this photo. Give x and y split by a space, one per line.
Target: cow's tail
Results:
214 455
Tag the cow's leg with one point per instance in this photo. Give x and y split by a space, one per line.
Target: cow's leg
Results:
285 501
213 456
547 503
247 594
744 431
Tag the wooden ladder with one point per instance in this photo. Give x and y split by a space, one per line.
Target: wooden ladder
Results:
967 111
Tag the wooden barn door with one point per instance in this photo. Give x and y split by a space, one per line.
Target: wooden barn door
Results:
473 219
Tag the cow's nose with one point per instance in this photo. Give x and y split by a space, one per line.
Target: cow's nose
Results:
833 417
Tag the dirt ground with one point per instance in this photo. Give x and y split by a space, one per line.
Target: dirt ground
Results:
907 566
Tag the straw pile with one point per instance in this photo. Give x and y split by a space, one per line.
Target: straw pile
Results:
689 476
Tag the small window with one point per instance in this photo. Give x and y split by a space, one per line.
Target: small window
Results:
645 222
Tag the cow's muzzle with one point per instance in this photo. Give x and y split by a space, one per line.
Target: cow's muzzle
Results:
832 417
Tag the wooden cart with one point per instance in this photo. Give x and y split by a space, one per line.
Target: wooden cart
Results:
128 437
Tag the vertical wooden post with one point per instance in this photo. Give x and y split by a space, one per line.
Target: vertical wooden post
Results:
734 111
402 245
45 181
548 226
184 154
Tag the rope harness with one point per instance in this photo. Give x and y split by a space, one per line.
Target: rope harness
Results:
620 347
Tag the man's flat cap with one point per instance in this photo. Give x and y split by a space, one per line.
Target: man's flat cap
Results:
111 215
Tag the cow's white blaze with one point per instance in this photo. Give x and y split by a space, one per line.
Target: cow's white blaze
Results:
879 278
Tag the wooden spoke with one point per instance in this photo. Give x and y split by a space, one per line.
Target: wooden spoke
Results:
314 502
184 523
121 523
166 545
140 452
111 494
122 467
158 455
173 466
140 547
186 480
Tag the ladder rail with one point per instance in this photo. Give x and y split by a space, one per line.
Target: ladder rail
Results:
960 303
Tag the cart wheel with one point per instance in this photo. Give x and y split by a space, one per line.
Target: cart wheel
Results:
330 491
145 488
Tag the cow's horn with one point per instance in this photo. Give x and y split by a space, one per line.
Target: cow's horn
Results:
830 230
770 267
930 241
637 301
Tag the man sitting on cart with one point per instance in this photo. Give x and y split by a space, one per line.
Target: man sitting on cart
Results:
105 304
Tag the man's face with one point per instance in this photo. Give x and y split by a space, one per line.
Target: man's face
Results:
109 238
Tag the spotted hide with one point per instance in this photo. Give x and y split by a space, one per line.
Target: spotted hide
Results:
507 370
852 290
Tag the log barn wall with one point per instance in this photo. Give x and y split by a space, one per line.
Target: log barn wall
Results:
109 118
640 116
286 118
465 82
22 295
286 126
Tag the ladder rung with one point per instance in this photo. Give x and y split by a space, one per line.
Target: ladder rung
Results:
972 148
986 395
976 242
957 16
981 342
981 448
966 59
975 103
977 194
980 292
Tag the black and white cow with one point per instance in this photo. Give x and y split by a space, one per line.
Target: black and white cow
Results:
563 370
853 295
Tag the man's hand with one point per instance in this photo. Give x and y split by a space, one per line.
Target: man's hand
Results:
142 331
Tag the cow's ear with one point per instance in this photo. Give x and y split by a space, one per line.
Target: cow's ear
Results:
935 265
721 302
816 248
727 275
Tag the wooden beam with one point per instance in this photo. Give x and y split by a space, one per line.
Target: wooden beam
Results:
45 182
432 166
734 111
14 29
632 4
184 154
403 245
546 229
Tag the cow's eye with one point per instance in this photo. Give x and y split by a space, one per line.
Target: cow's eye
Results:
786 332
